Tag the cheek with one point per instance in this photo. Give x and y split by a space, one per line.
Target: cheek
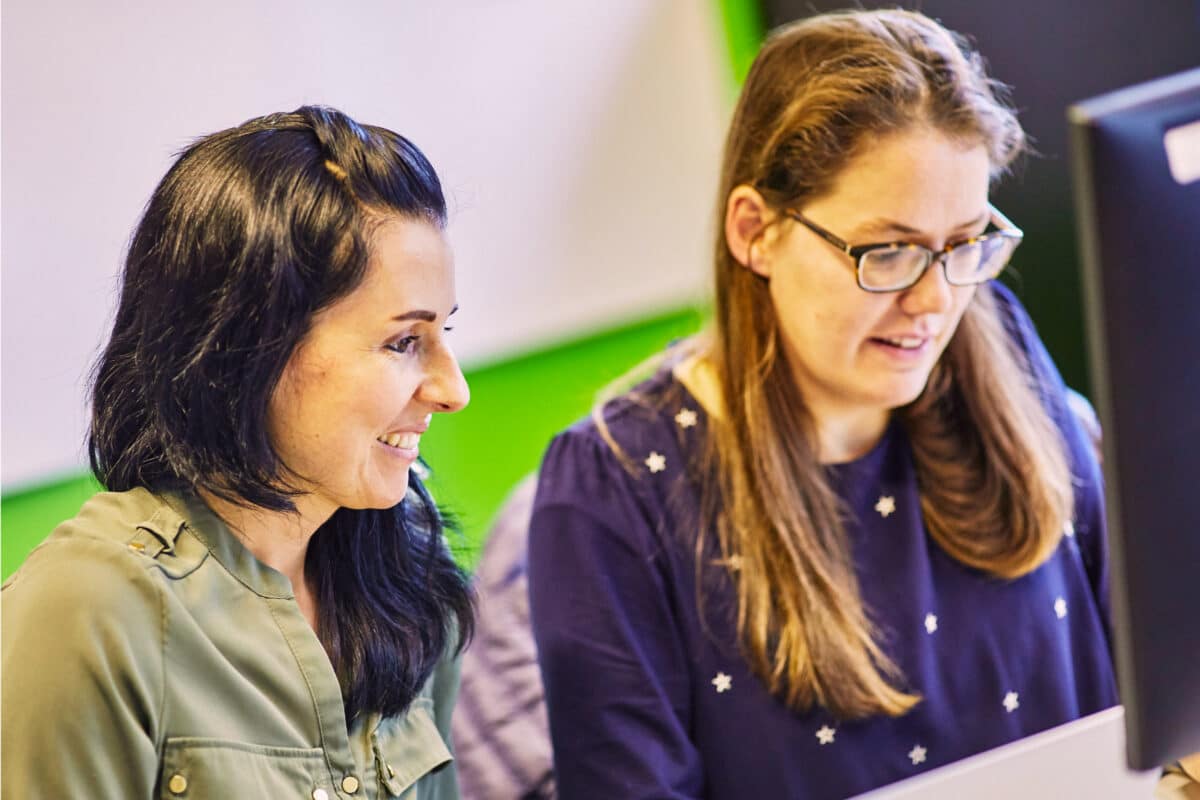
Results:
396 386
962 298
851 320
805 298
283 410
379 399
820 322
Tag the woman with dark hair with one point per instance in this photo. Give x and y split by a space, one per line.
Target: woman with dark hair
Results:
262 603
853 532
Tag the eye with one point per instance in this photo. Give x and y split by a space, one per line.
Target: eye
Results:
973 235
402 345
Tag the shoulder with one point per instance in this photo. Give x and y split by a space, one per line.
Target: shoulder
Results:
626 448
637 414
83 656
105 605
91 566
617 481
108 566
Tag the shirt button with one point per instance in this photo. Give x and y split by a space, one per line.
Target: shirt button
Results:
177 784
349 784
320 794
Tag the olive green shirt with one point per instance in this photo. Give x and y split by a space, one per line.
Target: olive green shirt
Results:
148 654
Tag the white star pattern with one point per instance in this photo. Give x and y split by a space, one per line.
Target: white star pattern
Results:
917 755
825 735
930 623
1011 703
722 683
656 462
686 418
1069 529
1060 608
886 505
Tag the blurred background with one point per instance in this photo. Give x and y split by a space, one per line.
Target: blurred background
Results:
579 145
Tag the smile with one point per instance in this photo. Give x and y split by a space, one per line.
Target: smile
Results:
903 342
400 441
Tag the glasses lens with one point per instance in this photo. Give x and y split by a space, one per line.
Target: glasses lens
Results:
979 261
890 268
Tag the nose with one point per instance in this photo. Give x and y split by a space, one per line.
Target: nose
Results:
932 294
444 388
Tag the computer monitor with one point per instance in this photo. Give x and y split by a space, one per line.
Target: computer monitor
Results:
1136 167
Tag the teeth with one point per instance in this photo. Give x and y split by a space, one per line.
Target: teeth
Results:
406 441
905 342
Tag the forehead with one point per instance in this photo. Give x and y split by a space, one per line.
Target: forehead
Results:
918 177
407 255
410 266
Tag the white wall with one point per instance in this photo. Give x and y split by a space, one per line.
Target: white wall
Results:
578 143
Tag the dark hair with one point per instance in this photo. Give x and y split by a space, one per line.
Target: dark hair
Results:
251 232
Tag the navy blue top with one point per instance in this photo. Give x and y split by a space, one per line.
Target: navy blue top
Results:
645 701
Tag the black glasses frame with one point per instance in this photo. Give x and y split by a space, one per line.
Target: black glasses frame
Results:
1005 229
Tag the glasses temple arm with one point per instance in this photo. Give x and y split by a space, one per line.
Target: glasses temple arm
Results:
1003 222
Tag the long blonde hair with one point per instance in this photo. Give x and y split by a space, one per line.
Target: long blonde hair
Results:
991 467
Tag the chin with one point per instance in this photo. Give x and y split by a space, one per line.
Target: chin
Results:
381 500
901 396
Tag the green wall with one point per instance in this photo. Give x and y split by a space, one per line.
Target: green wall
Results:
476 455
742 22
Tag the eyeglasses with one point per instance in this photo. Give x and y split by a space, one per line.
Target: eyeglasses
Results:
896 266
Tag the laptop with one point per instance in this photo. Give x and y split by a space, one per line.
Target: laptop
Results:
1081 759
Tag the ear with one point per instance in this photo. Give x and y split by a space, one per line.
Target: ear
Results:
747 217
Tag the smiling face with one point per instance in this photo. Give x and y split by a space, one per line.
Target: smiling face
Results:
359 390
856 355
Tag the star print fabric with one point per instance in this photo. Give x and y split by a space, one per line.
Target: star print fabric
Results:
647 698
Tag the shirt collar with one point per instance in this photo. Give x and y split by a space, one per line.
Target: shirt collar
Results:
227 548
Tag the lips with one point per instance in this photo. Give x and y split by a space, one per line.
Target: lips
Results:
903 342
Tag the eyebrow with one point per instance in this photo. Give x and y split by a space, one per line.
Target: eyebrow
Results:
422 315
883 225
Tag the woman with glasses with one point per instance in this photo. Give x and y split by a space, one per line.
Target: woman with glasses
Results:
853 532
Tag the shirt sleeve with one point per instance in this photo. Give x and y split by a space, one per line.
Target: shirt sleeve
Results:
612 657
82 631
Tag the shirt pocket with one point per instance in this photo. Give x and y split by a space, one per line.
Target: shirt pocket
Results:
407 748
202 768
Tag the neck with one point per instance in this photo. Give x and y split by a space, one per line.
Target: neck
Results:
278 539
847 434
